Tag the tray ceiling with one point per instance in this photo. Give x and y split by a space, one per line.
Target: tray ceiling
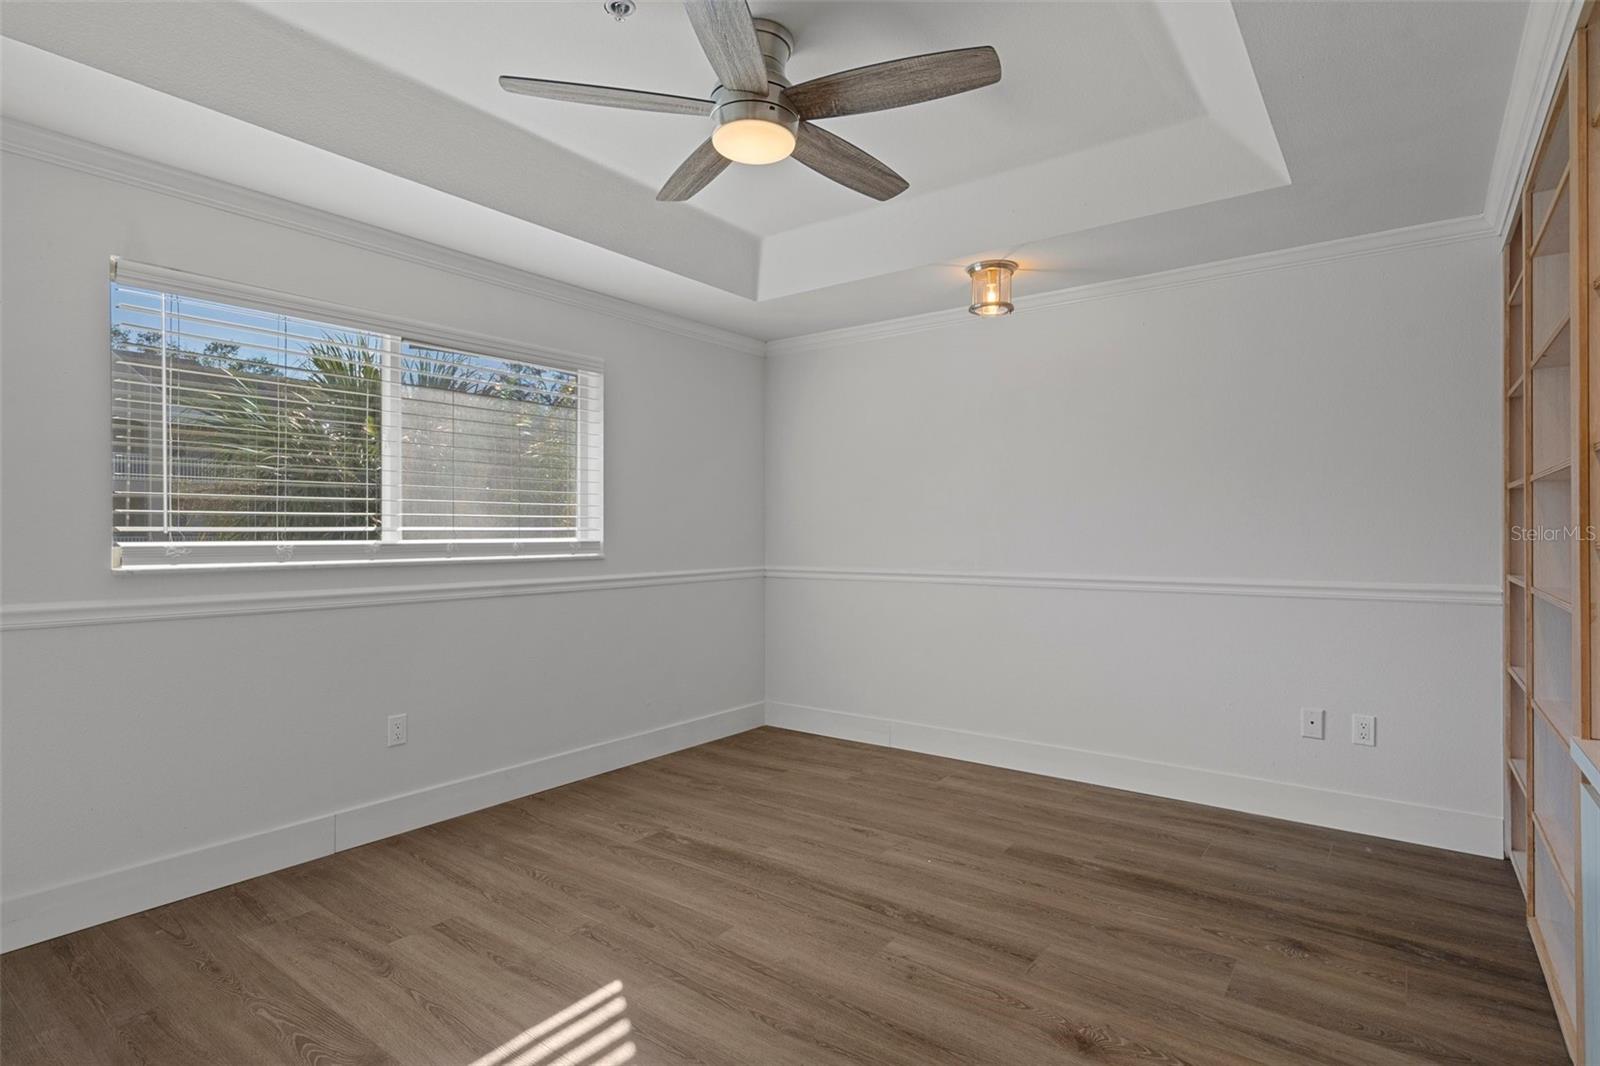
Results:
1111 118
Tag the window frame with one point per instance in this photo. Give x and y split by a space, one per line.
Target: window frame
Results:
172 556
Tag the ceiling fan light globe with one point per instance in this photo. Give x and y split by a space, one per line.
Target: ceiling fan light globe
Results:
754 141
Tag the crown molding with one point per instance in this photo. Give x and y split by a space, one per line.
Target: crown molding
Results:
1546 36
1386 592
1426 235
49 146
65 614
36 142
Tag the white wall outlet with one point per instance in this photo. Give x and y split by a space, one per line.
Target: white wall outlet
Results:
397 729
1311 721
1364 730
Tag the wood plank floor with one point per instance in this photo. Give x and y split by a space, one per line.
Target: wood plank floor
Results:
779 898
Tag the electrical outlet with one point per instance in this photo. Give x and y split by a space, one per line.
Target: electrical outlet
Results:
1364 730
1311 721
397 729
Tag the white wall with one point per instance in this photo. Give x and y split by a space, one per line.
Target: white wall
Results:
131 737
1125 539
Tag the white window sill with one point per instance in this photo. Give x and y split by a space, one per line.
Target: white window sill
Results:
159 558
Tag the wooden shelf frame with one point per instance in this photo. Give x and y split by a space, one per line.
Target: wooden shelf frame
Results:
1551 583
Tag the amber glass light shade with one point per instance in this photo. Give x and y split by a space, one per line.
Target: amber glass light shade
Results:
991 287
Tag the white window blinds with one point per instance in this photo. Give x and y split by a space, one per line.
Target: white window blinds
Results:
245 433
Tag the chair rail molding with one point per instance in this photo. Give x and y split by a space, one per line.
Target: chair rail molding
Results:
1392 592
63 614
108 612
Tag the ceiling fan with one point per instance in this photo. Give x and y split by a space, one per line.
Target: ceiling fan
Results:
759 117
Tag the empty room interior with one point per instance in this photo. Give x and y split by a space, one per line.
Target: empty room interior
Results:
799 533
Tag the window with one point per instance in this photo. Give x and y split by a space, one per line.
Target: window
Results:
248 436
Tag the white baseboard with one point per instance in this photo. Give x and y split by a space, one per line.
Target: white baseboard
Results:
399 814
79 904
1478 834
63 908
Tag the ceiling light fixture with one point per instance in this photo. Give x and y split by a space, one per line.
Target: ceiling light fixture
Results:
758 128
745 138
991 287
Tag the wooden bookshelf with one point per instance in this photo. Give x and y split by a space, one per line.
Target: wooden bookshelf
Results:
1552 431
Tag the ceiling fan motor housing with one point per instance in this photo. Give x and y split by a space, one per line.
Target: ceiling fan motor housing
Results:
731 105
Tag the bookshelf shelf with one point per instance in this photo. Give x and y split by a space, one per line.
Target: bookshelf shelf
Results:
1558 713
1560 598
1552 234
1556 349
1561 468
1544 835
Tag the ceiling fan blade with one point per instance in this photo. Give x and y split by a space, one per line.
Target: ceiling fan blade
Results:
728 35
605 96
836 158
694 174
896 83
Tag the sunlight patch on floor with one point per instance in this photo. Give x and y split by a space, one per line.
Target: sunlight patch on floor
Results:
584 1034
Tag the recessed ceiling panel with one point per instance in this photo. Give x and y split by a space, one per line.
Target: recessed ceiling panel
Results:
1077 76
